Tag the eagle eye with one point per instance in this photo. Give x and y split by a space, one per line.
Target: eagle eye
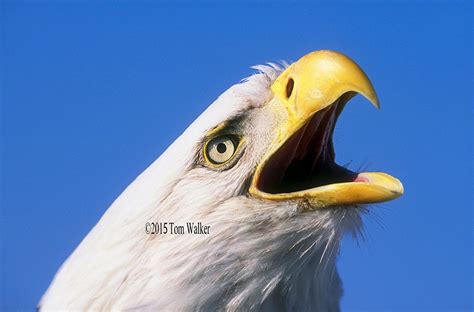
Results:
220 149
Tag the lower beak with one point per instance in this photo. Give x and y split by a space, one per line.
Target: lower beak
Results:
300 164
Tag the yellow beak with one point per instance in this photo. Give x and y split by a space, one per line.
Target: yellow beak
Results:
313 84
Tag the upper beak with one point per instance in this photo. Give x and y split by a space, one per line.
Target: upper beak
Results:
310 86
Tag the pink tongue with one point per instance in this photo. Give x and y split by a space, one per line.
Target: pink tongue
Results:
361 179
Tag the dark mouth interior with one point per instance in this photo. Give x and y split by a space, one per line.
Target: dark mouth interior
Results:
307 159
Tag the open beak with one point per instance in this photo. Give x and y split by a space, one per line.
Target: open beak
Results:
300 163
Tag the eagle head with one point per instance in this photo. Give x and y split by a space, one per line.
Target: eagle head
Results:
244 211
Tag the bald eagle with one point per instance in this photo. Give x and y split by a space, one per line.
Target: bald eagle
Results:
244 211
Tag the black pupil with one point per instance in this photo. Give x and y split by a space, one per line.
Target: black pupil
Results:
221 148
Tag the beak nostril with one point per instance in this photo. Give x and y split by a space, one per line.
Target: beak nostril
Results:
289 87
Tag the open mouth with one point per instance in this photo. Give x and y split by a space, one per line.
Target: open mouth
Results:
300 162
307 159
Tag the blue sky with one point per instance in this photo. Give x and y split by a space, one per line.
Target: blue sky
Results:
93 93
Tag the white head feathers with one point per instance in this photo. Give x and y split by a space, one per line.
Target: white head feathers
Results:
258 255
